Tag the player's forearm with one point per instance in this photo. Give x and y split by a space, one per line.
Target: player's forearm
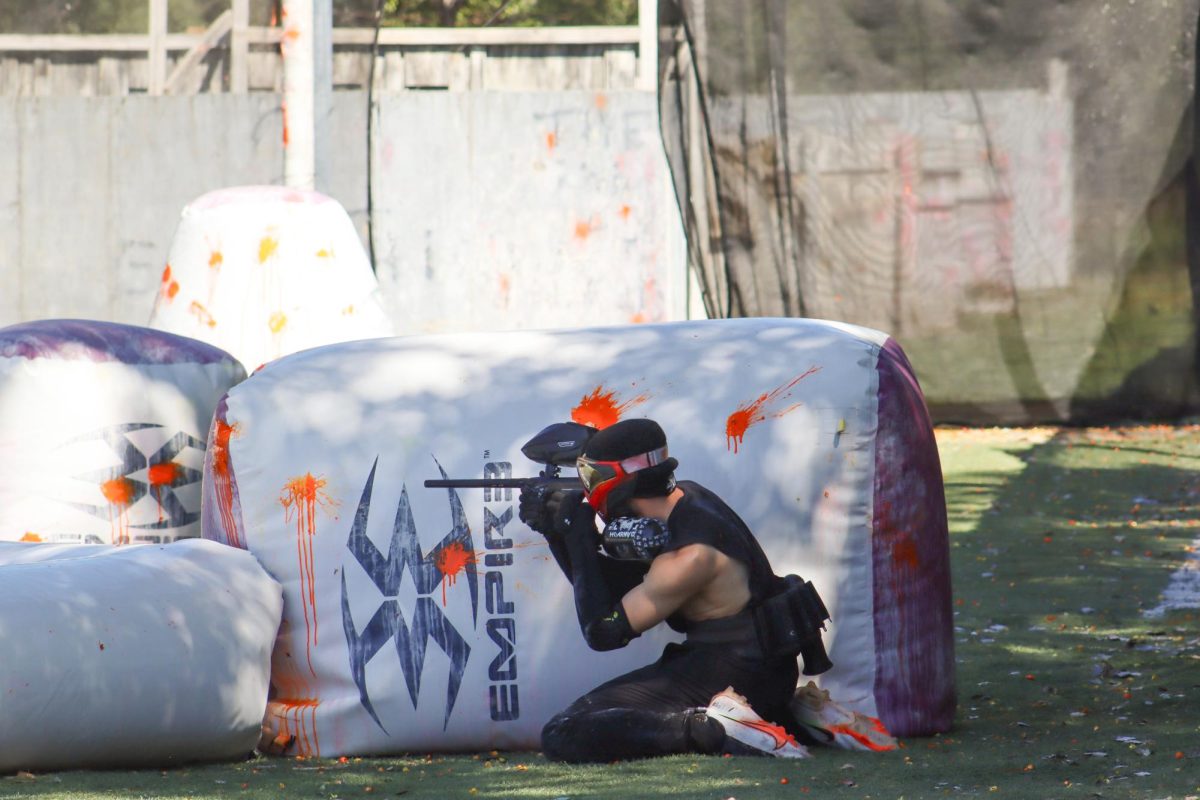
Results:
601 617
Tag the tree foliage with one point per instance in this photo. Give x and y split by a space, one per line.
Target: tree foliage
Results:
131 16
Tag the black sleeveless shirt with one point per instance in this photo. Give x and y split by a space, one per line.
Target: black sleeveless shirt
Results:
700 517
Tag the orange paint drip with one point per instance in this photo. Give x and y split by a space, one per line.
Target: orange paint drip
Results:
750 414
625 212
301 497
601 408
30 536
451 561
119 494
267 247
202 315
223 480
215 260
583 230
551 140
277 322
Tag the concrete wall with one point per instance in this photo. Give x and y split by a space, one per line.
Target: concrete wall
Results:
91 190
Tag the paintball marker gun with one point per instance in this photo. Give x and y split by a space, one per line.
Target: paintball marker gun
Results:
555 446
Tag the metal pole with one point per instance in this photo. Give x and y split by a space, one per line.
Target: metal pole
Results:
157 54
307 50
647 63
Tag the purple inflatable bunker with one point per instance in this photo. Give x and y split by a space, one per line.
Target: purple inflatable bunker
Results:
433 619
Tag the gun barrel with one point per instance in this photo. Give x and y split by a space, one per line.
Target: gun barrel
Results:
501 483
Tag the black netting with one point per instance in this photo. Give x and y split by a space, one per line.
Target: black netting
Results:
1002 185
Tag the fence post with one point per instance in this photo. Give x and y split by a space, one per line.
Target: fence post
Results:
239 47
157 55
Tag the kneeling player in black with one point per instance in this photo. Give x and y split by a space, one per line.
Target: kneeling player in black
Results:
684 557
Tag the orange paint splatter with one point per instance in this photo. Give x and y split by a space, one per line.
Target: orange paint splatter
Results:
601 408
161 475
266 248
201 314
583 230
300 498
215 259
600 101
453 559
625 211
118 491
170 288
30 536
637 318
551 140
749 414
277 322
223 479
505 283
119 494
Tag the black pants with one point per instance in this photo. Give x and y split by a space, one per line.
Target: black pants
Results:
650 711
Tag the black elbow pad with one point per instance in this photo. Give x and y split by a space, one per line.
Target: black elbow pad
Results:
610 631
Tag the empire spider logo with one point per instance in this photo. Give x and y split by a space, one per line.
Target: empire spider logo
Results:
431 572
142 473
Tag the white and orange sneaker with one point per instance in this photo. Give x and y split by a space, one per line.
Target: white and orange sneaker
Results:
743 725
834 724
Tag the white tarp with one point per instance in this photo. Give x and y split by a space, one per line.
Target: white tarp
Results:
263 271
103 429
148 655
434 619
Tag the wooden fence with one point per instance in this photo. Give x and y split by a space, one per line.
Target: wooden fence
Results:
232 56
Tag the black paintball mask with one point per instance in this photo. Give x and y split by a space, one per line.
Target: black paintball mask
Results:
623 461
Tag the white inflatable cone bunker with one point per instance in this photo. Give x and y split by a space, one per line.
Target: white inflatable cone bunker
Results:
103 429
263 271
142 656
433 619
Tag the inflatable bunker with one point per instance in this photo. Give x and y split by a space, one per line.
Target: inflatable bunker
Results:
102 431
433 619
150 655
263 271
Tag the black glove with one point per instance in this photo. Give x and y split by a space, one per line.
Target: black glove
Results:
532 508
565 507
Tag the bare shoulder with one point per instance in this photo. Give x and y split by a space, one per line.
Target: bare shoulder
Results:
694 563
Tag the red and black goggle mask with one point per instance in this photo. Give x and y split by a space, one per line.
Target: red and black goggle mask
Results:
600 478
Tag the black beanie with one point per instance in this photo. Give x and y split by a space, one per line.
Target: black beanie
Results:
631 437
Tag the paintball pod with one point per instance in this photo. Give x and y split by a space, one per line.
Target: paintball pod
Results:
555 446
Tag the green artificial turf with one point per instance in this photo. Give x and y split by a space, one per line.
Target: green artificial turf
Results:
1060 540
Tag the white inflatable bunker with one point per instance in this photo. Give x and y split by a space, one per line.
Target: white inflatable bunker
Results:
432 619
263 271
103 429
150 655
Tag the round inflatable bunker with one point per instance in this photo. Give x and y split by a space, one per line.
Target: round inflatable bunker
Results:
433 619
263 271
142 656
102 431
